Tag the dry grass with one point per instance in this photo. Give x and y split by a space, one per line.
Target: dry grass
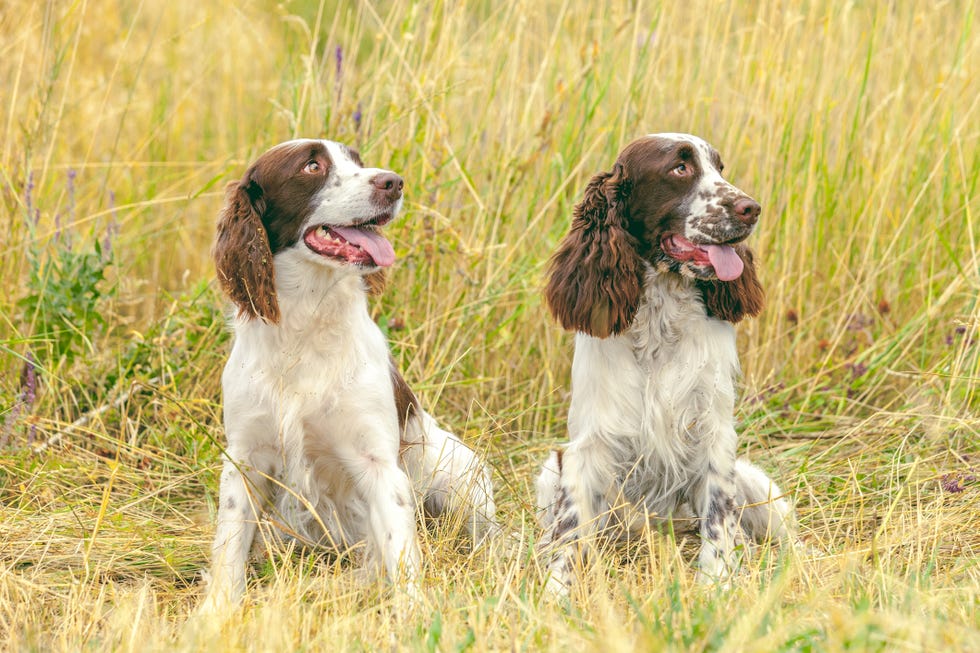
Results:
855 124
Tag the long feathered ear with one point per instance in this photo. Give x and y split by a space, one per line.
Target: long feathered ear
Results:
733 300
242 255
596 277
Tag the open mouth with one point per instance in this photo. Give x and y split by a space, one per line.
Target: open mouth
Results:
723 259
360 244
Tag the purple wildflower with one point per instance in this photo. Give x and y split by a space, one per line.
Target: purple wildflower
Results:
29 195
338 85
357 118
954 483
28 380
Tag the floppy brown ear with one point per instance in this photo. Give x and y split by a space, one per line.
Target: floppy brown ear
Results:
733 300
242 255
596 277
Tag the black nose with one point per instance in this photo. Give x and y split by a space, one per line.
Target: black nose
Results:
389 185
747 210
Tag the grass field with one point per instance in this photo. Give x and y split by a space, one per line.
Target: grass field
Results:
856 125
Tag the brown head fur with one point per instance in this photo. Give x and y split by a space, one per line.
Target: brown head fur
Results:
596 277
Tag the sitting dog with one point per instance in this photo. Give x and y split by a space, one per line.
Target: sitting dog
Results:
322 429
652 275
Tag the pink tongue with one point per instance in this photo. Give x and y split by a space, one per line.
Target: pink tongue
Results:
377 247
725 261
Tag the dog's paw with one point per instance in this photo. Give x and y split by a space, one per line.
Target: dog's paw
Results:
216 603
723 583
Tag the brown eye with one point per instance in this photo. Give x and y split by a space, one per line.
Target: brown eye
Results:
680 170
312 167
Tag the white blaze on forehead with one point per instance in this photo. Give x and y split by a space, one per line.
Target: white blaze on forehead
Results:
700 145
347 196
296 141
343 164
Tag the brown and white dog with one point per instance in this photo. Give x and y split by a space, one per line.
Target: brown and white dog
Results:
652 275
323 432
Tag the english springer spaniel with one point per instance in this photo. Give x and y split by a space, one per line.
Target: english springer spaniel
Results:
652 275
323 432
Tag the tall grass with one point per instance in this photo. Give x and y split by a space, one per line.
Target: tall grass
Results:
854 124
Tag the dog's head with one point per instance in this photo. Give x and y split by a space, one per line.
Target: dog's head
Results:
664 203
312 196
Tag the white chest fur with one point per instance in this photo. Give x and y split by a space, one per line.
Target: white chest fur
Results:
326 358
662 393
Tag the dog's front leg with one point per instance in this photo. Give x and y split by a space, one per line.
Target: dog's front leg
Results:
371 461
584 475
241 499
714 503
